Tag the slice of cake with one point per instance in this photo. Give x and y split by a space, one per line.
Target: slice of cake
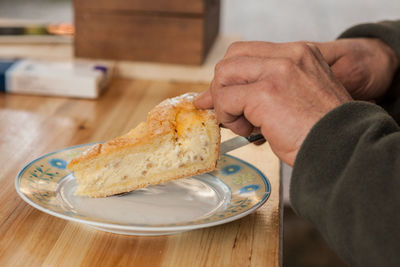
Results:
177 140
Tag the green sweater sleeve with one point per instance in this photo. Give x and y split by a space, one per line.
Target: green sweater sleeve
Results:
346 178
346 181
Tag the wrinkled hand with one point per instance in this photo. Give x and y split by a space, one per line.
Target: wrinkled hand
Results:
364 66
283 89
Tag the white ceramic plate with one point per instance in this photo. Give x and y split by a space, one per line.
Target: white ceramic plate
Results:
232 191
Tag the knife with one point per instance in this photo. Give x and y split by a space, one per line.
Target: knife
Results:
239 141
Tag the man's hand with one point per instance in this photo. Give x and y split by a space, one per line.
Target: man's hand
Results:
364 66
283 89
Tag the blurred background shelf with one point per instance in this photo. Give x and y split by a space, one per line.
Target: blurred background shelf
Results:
124 68
273 20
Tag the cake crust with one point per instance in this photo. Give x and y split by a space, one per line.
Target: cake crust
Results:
161 121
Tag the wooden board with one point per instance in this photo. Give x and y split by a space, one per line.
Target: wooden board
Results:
139 37
127 34
34 125
211 25
170 6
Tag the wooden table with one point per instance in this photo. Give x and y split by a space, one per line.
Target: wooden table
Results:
35 125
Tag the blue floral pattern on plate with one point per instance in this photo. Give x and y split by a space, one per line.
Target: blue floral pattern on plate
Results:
58 163
231 169
249 188
38 183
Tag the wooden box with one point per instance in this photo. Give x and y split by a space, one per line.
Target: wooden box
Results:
172 31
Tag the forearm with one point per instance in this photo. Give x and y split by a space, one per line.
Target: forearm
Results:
346 181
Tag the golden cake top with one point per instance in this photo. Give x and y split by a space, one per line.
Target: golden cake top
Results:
174 114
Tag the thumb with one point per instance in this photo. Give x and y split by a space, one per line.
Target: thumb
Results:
330 51
204 100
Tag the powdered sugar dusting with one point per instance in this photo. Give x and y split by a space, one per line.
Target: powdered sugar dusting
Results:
178 99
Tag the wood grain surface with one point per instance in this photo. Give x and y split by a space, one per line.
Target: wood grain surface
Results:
169 6
124 30
34 125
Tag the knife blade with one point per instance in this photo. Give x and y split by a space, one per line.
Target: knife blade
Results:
239 141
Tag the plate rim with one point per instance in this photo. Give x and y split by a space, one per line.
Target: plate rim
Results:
141 230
